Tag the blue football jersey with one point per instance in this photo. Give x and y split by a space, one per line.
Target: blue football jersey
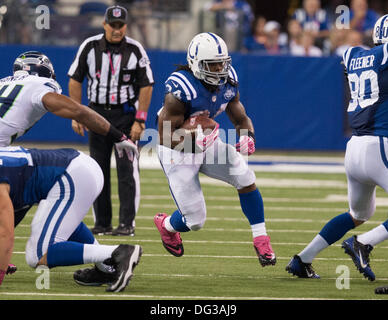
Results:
368 83
31 173
196 97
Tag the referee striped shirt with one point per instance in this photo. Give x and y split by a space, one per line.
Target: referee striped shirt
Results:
115 73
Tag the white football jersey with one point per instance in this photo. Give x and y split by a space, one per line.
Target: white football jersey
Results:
21 104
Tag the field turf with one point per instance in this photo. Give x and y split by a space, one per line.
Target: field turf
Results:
219 261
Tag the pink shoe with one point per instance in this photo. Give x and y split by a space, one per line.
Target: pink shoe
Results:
171 240
264 250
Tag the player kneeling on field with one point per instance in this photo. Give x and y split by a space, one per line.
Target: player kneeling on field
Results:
64 184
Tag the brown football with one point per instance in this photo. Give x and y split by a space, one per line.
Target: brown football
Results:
190 125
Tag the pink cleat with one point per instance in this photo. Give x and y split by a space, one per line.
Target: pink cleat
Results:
171 240
264 250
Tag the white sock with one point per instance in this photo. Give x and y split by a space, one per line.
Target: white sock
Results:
258 229
97 253
168 225
374 236
313 248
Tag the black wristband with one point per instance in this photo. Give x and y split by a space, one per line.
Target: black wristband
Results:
140 120
249 134
115 134
252 135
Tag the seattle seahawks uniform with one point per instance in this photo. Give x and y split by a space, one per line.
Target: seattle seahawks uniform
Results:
366 153
221 161
21 103
57 181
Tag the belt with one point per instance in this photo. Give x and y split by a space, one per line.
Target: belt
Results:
107 106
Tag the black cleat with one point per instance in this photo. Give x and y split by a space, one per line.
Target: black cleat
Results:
381 290
93 277
124 259
301 269
124 230
100 231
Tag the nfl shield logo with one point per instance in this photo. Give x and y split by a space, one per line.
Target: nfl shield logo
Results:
126 77
117 13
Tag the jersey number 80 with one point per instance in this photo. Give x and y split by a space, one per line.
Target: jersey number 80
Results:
364 89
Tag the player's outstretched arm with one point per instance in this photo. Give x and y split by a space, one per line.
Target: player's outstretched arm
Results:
66 107
6 229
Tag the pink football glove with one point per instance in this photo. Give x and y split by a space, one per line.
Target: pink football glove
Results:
128 146
203 141
246 145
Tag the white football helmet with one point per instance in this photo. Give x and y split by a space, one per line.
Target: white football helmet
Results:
380 31
205 50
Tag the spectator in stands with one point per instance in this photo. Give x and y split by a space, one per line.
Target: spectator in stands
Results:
294 31
138 11
306 47
234 13
362 18
337 38
313 19
353 38
254 43
272 38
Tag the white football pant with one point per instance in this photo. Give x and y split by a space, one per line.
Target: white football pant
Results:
221 161
366 167
66 205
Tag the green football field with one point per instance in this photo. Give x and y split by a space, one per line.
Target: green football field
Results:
219 261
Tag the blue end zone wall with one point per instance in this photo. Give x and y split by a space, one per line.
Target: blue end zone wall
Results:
294 103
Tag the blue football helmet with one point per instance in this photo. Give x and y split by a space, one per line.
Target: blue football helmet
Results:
35 63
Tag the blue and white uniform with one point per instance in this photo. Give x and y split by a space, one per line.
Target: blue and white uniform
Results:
196 98
366 153
221 161
63 183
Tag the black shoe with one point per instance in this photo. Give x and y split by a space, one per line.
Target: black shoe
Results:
124 259
124 230
300 269
381 290
98 230
93 277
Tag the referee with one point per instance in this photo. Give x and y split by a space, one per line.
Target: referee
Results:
119 88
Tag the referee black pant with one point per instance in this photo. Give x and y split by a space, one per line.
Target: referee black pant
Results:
100 148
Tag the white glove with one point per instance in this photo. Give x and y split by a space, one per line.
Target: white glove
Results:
129 147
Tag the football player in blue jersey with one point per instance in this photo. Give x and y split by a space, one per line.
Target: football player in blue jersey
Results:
207 85
63 183
31 92
366 163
